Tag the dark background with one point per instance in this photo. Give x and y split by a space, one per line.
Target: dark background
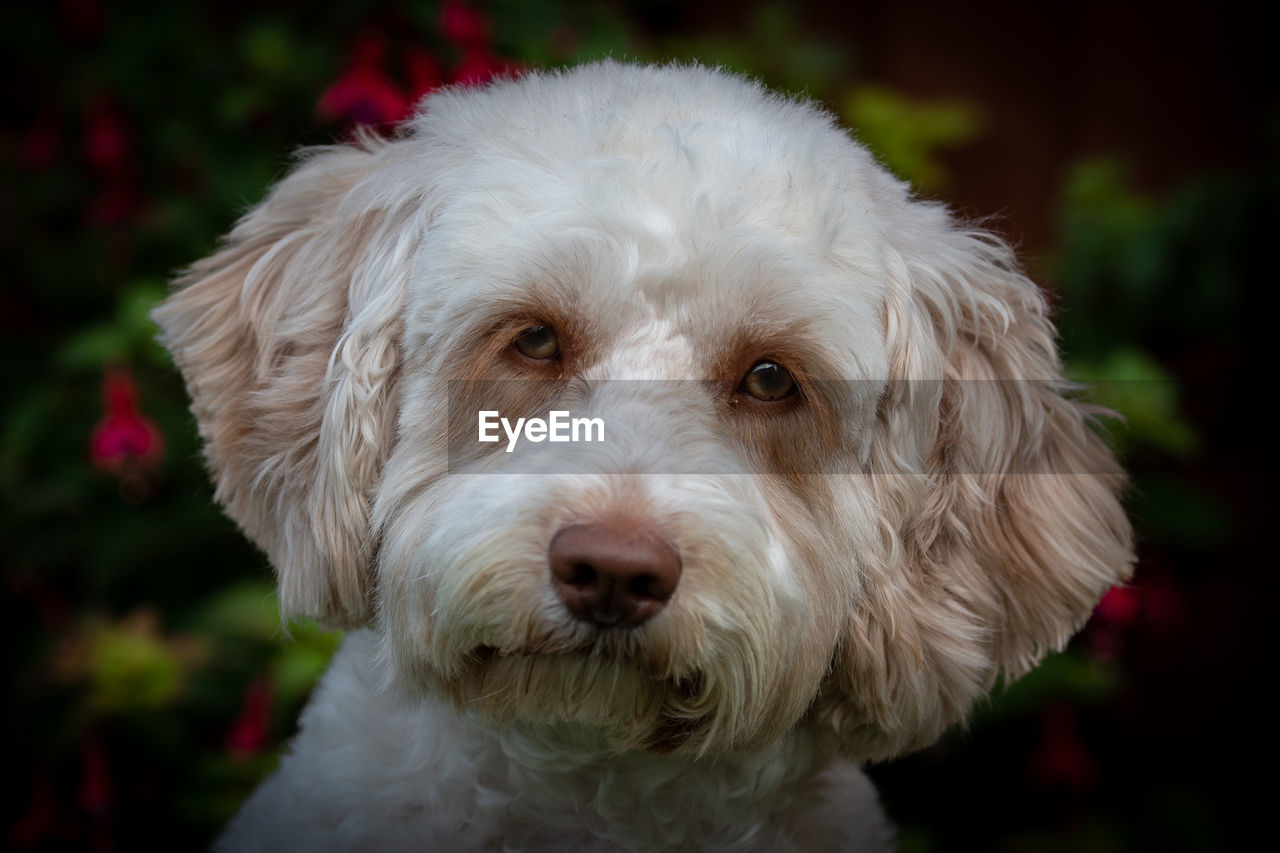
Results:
1130 152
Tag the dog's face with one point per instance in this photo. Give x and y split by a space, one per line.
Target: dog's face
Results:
839 485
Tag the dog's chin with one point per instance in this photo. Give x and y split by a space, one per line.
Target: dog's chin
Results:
623 700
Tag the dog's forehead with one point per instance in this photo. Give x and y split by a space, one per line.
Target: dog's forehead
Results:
673 195
620 139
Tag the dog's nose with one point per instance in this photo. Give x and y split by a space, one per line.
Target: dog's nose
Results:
613 576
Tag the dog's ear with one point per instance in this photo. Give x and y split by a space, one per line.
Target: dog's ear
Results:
1007 525
288 338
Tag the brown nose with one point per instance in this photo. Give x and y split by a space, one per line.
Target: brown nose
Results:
613 576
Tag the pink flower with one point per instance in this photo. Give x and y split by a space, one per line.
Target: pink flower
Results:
1113 618
248 734
108 144
109 149
1119 607
124 437
365 96
423 72
462 25
469 30
95 793
364 93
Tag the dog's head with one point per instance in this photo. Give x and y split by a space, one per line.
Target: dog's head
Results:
842 484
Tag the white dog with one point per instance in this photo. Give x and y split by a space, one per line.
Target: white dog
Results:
847 492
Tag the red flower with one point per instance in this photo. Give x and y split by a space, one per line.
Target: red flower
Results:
1119 607
469 30
108 145
367 94
364 93
96 792
249 732
109 150
463 25
1112 619
423 72
124 437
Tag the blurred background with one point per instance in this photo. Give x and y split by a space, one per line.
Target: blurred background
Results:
1129 151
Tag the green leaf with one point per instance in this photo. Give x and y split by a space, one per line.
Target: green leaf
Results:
907 135
1066 675
1145 396
131 671
247 610
129 334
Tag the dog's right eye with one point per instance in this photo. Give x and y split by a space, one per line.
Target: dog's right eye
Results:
769 382
538 342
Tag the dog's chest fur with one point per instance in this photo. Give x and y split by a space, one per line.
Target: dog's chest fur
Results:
371 769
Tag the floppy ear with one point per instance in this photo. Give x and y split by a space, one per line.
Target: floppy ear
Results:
1006 526
288 338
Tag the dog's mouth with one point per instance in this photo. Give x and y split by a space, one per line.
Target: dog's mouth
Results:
675 706
613 646
686 681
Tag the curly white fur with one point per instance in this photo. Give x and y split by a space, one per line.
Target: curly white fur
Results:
857 568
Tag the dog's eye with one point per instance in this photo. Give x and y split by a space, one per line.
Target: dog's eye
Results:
538 342
769 382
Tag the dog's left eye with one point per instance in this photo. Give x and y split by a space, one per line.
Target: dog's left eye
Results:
768 381
538 342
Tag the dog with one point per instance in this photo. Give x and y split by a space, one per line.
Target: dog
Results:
841 485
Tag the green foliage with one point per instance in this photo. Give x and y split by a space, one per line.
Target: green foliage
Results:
773 48
1165 276
1153 298
906 135
1144 395
132 671
128 336
248 613
1068 676
556 32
